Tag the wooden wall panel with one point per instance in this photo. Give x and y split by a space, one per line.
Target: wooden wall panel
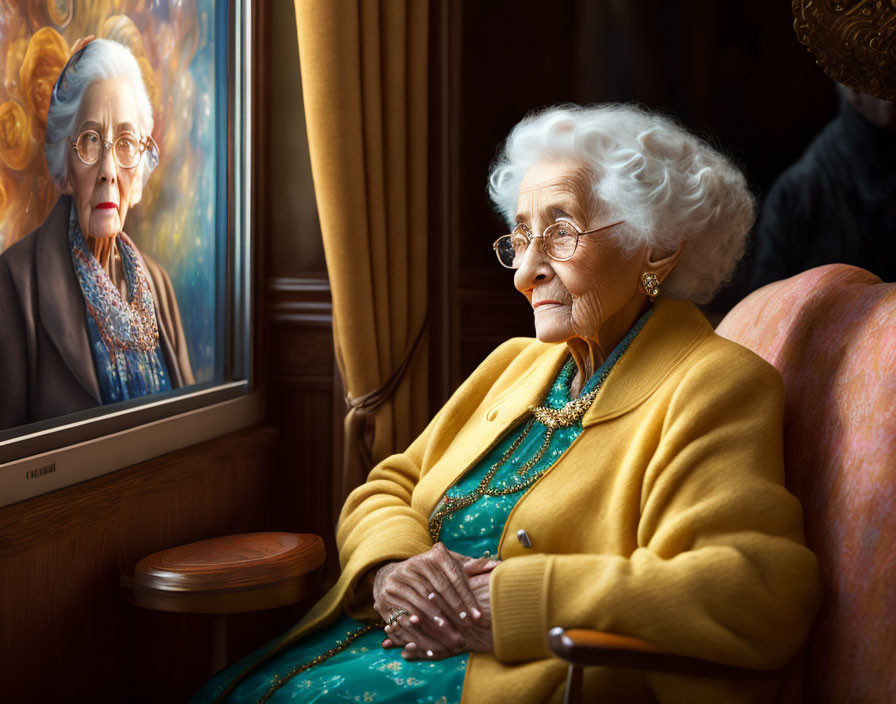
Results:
298 363
302 403
66 634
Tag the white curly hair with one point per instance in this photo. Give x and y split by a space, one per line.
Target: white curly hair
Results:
100 59
667 184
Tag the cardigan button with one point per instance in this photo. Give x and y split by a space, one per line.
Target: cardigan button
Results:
524 539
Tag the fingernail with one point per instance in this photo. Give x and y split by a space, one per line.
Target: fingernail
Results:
429 653
415 619
411 646
388 629
463 614
386 643
432 595
476 613
439 620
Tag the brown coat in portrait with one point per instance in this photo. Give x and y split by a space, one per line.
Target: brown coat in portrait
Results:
46 367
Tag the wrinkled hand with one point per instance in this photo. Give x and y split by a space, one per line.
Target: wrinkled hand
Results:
479 635
445 615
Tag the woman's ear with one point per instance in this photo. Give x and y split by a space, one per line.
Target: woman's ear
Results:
662 265
67 188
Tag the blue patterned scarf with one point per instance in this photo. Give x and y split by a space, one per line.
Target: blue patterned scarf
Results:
123 334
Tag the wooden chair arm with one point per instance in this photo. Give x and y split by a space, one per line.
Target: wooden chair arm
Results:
581 647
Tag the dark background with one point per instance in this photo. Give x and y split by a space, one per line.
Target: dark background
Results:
731 71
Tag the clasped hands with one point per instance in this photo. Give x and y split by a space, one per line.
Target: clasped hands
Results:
443 602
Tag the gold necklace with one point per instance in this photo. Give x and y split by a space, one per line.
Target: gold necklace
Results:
552 419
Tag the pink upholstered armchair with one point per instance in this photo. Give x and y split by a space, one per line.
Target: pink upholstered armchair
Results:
831 332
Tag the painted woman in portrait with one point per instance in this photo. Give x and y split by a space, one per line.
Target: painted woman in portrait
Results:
88 320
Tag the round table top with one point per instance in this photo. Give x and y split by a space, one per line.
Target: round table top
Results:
233 562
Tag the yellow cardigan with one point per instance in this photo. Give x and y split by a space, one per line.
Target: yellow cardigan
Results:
667 519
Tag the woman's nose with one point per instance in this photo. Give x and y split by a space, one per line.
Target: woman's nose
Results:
536 266
108 168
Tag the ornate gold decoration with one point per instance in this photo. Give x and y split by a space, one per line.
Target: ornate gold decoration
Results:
15 136
123 29
853 41
4 199
650 284
46 55
564 417
60 12
55 12
15 55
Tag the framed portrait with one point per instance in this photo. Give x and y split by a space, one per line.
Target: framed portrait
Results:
126 267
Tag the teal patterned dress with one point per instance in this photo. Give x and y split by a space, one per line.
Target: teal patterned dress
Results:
364 671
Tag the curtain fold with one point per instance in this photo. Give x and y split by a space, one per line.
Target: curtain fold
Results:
364 78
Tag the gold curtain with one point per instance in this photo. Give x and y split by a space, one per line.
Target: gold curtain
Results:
364 78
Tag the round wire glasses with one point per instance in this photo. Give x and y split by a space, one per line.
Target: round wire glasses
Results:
127 150
558 241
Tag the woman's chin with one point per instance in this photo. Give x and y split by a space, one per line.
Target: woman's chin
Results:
104 226
545 333
552 323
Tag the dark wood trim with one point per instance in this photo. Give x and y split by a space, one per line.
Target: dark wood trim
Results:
299 302
303 401
307 382
301 314
261 101
444 175
27 524
282 593
300 284
68 635
599 648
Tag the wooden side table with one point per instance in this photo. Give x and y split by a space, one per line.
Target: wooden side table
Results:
231 574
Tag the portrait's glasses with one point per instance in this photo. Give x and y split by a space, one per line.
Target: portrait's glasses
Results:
558 241
127 150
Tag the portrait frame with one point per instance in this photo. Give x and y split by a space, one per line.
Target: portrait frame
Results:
51 454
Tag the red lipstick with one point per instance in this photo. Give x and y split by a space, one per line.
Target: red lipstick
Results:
104 206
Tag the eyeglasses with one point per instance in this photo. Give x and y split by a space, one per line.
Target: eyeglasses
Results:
127 150
558 241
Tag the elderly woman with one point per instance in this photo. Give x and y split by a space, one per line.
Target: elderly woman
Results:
622 472
88 320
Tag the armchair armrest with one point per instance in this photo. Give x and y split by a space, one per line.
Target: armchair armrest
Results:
580 646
